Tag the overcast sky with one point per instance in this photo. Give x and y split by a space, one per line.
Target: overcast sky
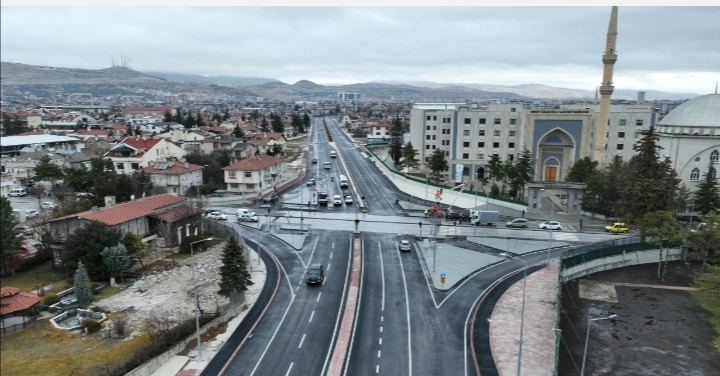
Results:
674 49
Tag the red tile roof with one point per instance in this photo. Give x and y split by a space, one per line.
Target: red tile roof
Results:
254 164
126 211
177 213
12 300
173 168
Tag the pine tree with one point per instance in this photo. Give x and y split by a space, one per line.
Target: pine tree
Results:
409 155
277 124
707 195
238 132
83 293
438 163
581 170
117 260
683 198
8 241
167 117
234 276
306 122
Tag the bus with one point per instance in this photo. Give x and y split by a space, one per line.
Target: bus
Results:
343 181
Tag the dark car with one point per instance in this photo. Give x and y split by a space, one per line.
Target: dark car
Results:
270 199
315 274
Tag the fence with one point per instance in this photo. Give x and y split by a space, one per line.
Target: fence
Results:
18 327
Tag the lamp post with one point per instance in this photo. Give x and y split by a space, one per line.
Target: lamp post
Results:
522 310
197 300
587 338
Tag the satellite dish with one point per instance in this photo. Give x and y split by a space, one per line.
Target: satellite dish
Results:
132 197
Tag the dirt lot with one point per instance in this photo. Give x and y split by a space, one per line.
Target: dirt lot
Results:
657 331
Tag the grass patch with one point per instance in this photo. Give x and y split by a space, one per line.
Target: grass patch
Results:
107 292
29 280
44 350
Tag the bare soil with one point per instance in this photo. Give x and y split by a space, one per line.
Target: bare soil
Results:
657 331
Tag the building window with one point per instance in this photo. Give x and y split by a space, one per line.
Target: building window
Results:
620 146
481 156
496 144
231 174
481 133
497 120
466 156
428 117
234 185
496 132
447 153
714 156
248 174
695 174
511 157
512 109
434 137
623 122
639 122
120 166
433 146
697 159
513 121
511 133
427 137
466 132
466 144
467 120
134 165
481 144
482 121
511 145
427 147
435 117
427 128
621 134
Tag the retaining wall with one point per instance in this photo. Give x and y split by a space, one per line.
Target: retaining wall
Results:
625 258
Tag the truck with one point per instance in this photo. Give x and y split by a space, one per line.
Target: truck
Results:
484 217
322 198
617 228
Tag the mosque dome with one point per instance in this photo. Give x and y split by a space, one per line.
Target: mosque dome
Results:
703 111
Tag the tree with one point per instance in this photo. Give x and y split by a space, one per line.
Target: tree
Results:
523 173
167 117
708 285
647 184
582 170
495 167
662 229
234 276
396 150
264 125
507 174
438 163
178 117
142 185
409 155
116 260
306 122
683 199
277 124
226 114
703 241
136 247
45 170
83 292
13 125
86 244
9 243
224 158
707 195
238 132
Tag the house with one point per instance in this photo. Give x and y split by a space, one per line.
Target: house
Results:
267 141
162 216
32 119
134 153
378 133
254 175
16 309
153 111
173 178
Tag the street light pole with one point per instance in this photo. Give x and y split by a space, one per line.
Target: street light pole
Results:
587 338
197 300
522 310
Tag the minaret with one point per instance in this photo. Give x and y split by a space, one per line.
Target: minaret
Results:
606 90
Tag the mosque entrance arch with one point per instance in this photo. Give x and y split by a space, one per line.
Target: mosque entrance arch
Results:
557 150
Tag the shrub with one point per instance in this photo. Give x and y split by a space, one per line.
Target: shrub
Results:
51 299
92 326
185 246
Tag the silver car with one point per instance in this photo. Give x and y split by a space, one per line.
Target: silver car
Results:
404 245
550 225
517 222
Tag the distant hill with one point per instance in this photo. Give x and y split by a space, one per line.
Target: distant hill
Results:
212 79
14 73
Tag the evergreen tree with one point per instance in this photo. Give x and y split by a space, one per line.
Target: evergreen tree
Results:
409 155
9 243
277 124
189 120
116 260
199 121
296 122
264 125
523 173
581 170
167 117
703 240
85 245
396 150
707 195
683 199
123 188
238 132
45 170
13 125
648 184
306 122
178 117
83 292
226 114
438 163
495 167
142 184
234 276
224 159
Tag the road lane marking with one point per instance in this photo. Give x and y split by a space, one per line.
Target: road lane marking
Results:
380 342
331 254
407 313
378 353
289 369
381 329
301 341
382 275
328 268
311 316
318 298
377 368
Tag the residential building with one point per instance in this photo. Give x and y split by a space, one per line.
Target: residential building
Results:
174 178
253 176
267 141
378 133
133 153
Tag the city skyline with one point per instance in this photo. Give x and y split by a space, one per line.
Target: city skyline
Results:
659 48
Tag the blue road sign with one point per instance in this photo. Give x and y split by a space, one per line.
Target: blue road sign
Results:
442 275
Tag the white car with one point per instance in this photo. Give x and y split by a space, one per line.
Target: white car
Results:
348 200
217 216
48 205
31 213
550 225
517 222
337 200
404 245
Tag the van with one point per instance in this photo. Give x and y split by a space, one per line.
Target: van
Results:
343 181
246 212
18 192
327 165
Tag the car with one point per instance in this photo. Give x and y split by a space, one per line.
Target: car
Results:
550 225
315 274
404 245
211 210
517 222
31 213
271 199
23 230
348 200
314 161
311 182
84 194
217 216
48 205
617 228
337 200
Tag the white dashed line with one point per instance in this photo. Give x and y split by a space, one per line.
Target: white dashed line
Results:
311 316
290 368
301 341
380 341
378 353
318 298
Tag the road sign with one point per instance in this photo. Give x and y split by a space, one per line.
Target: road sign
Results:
442 275
442 280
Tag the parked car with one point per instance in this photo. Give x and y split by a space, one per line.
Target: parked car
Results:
404 245
348 200
550 225
617 228
315 274
31 213
217 216
48 205
311 182
24 230
517 222
337 200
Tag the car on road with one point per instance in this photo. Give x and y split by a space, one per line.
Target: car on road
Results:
315 274
348 200
617 228
404 245
550 225
48 205
311 182
337 200
217 216
31 213
314 161
270 199
517 222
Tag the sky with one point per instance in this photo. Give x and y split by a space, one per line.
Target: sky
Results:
666 48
